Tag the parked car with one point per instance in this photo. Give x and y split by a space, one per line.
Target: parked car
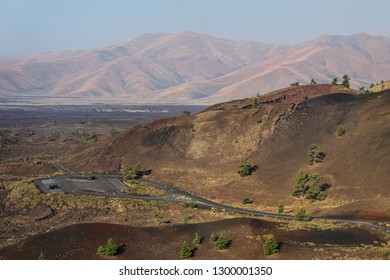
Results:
53 187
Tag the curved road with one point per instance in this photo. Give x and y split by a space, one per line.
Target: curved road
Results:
173 195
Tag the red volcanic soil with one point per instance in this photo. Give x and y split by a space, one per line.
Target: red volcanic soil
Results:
80 241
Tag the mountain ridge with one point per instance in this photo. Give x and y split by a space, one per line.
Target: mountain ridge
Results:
192 67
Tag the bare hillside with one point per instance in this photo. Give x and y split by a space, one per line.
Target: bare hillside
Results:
190 67
201 153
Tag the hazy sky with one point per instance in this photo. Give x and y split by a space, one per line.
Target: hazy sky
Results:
33 26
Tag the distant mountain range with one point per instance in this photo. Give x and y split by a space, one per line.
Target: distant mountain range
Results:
194 68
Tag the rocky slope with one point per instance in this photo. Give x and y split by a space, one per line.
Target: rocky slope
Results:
201 153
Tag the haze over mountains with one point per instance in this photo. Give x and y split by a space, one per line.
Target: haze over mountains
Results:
189 67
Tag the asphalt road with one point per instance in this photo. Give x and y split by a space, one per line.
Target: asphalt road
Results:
111 186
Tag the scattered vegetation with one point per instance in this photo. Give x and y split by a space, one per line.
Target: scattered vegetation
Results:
185 252
111 249
89 137
259 120
302 216
270 246
295 84
245 168
314 154
312 82
113 132
133 172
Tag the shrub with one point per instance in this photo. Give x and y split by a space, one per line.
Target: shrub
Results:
270 246
186 113
300 184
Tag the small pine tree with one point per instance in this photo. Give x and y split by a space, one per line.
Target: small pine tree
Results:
302 216
185 252
110 249
281 207
345 81
186 218
213 237
197 239
300 184
245 200
41 256
334 81
255 103
270 246
341 131
186 113
245 168
220 243
315 192
314 154
312 82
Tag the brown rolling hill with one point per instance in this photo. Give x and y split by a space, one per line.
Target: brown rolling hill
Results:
190 67
201 153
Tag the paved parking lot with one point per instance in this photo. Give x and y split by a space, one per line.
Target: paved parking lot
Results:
105 185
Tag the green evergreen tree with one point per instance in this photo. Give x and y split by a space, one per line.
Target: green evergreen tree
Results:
341 131
213 237
312 82
314 154
315 192
255 103
245 168
185 252
270 246
300 184
345 81
281 207
334 81
302 216
220 243
41 256
197 239
245 200
186 218
110 249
